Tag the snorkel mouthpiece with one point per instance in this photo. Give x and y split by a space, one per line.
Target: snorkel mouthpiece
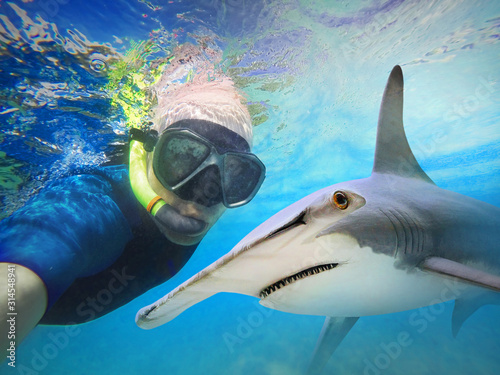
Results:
168 216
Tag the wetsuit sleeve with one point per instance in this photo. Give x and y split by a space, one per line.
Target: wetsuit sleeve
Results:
71 229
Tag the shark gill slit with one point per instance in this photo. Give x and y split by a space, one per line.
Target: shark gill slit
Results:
402 229
297 276
416 232
395 231
407 228
420 236
403 233
412 230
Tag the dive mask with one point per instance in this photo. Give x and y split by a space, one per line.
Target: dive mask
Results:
202 170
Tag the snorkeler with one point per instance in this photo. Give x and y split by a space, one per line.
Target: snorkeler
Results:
90 243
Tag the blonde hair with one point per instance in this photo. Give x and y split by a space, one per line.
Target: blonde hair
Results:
207 95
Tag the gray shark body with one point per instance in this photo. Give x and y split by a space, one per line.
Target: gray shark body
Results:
391 242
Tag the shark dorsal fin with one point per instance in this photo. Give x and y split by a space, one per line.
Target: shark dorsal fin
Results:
392 153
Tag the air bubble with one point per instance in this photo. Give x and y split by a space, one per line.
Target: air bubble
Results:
98 63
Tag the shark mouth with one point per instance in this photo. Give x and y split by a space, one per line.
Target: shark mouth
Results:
298 276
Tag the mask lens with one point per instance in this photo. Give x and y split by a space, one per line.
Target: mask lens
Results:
242 178
179 157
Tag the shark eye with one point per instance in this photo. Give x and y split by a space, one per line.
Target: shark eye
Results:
340 199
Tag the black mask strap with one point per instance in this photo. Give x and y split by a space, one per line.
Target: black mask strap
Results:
147 138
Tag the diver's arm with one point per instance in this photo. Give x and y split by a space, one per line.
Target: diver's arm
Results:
28 300
71 229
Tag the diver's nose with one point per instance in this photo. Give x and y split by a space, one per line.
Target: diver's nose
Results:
205 188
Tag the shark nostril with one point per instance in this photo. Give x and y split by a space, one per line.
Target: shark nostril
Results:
146 312
299 275
297 221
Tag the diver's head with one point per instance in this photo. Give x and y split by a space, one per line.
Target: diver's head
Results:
197 159
200 168
201 162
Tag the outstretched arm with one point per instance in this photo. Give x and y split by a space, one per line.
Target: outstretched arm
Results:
71 229
23 300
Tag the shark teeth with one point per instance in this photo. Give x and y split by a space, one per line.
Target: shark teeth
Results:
298 276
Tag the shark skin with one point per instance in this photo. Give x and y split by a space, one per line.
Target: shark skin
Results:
391 242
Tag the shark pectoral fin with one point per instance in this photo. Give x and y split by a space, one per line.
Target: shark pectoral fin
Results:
465 307
333 332
464 273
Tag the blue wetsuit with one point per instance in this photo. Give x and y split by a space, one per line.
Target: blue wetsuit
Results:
93 245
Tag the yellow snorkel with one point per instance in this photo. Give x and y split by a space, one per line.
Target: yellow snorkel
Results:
151 201
128 81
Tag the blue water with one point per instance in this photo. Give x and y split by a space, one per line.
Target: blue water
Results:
315 72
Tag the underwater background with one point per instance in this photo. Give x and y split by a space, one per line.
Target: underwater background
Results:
313 73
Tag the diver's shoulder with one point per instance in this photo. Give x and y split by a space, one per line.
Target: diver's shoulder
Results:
114 173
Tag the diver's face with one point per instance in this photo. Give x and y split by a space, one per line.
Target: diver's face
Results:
190 221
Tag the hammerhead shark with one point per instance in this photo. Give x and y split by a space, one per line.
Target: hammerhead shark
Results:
391 242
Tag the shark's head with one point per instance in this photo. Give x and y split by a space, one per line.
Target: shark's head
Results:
324 254
310 246
296 236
